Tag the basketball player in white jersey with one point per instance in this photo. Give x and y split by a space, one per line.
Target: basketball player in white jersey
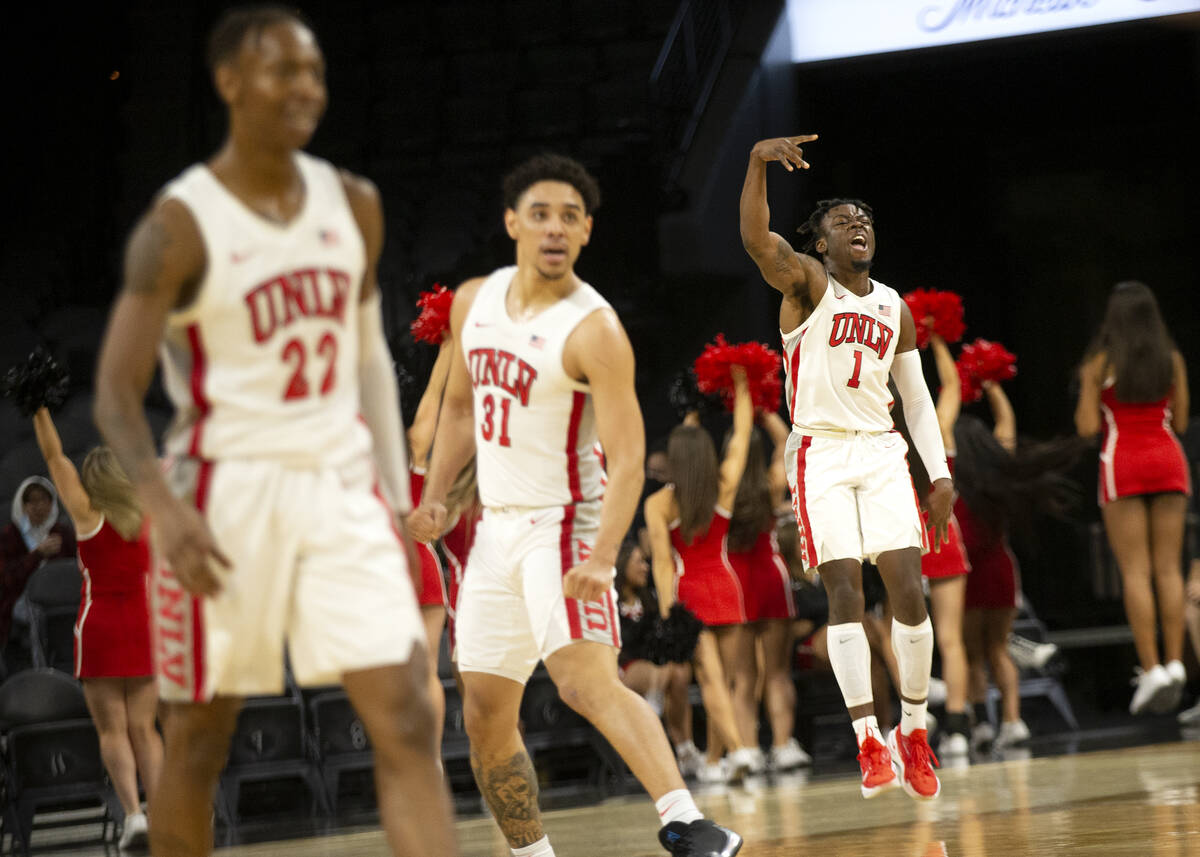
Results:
543 369
843 334
255 273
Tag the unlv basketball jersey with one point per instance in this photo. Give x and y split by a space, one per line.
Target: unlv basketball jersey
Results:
264 362
837 362
535 428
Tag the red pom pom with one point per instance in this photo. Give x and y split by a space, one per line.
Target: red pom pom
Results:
762 367
433 323
982 361
936 312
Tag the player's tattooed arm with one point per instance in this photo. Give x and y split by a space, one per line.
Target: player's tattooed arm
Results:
164 262
510 788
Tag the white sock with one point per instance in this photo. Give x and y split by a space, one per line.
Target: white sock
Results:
541 848
685 748
850 656
677 806
864 726
913 645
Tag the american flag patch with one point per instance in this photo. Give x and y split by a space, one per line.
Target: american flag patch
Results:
328 237
537 342
884 309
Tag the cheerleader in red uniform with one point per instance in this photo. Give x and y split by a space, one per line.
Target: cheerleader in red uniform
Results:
113 655
688 521
1133 389
767 589
1002 486
946 569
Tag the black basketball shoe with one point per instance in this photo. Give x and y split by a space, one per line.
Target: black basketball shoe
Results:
701 838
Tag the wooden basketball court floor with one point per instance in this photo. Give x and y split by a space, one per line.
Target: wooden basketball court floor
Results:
1133 802
1141 801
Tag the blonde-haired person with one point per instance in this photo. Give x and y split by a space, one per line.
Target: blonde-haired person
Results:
113 657
689 520
1133 387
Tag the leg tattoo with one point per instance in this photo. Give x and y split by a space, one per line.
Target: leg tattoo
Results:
510 788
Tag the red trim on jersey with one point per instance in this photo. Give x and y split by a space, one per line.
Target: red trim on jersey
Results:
794 369
199 366
577 403
809 547
613 621
926 542
203 482
566 556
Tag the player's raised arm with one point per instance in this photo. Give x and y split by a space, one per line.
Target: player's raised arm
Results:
599 351
923 427
164 264
454 441
782 267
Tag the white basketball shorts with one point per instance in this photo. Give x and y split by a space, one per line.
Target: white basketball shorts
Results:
511 610
315 560
852 494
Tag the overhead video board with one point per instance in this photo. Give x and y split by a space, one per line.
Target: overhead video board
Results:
828 29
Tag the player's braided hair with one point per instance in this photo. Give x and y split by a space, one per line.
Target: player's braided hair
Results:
811 228
551 167
234 25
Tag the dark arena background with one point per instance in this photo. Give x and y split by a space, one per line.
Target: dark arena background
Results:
1028 173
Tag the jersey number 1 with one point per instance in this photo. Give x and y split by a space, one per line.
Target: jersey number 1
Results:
853 382
489 428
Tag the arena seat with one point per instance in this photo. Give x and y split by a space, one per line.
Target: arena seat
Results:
53 593
271 742
339 738
51 753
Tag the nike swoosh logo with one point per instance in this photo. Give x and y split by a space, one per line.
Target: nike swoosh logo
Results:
845 639
238 258
839 297
483 324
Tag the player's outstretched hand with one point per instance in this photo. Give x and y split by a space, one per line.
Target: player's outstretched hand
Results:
786 150
427 521
941 502
189 548
588 581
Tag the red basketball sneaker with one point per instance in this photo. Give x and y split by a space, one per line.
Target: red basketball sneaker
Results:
915 758
876 762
